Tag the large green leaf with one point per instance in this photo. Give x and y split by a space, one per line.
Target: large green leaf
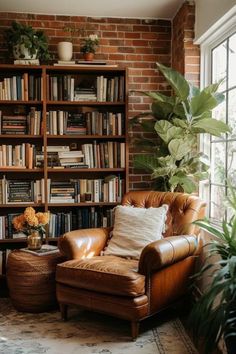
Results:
180 123
184 181
212 126
201 103
176 81
157 96
146 161
167 131
178 148
161 110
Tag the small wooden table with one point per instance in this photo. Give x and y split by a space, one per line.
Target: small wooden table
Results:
31 280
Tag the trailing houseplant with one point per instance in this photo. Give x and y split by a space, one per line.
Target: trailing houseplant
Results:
173 158
214 314
24 42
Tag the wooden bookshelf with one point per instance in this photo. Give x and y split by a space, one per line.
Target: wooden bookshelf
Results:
45 82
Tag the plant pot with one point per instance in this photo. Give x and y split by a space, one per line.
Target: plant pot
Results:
65 50
34 241
21 52
88 56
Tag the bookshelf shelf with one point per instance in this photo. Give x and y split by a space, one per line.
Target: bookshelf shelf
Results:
20 136
85 204
86 137
21 170
22 205
84 103
19 102
84 170
54 116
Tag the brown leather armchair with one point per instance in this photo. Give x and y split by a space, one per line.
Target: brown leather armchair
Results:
126 288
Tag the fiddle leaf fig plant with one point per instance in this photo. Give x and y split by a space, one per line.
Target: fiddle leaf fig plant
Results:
173 158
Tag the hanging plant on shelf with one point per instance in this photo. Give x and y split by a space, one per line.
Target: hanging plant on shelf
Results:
173 158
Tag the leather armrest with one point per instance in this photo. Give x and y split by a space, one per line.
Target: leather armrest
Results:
169 250
83 243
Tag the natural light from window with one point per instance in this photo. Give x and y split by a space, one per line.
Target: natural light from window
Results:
223 150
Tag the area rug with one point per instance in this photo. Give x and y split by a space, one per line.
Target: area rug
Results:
88 333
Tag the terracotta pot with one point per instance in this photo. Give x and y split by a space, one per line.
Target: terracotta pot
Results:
88 56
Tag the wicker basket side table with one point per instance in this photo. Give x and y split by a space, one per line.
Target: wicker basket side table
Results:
31 280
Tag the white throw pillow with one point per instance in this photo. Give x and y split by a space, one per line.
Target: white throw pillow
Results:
134 228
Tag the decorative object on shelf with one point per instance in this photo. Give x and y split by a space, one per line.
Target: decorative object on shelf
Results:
65 51
173 158
32 224
214 314
26 43
89 46
65 48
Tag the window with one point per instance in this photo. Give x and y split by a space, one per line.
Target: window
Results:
222 151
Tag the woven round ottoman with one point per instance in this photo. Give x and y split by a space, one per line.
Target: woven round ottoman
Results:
31 280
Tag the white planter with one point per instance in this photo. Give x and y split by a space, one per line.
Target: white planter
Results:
21 52
65 50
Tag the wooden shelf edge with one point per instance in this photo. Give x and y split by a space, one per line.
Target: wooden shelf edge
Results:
77 136
83 204
89 170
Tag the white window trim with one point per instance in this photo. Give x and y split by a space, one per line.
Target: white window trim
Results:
225 27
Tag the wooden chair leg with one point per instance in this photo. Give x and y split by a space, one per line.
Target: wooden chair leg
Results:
63 309
134 329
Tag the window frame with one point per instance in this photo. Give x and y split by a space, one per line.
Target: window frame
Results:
222 33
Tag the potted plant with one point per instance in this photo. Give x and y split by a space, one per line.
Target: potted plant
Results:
24 42
89 46
214 314
173 158
65 47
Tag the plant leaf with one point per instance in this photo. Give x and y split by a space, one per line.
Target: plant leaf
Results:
178 148
212 126
176 81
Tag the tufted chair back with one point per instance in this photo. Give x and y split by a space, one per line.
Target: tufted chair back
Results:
183 209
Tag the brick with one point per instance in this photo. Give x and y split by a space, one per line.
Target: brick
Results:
132 35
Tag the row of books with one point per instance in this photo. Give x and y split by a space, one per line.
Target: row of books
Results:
21 124
24 87
59 223
110 154
7 230
18 156
21 191
107 190
90 123
101 89
82 218
110 89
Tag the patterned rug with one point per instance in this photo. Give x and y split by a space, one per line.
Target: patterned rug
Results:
88 333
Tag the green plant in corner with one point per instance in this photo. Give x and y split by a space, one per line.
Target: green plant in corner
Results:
214 314
24 42
174 160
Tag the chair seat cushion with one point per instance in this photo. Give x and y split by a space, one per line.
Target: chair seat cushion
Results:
104 274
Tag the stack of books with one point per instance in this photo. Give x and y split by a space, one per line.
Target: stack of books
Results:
21 123
85 94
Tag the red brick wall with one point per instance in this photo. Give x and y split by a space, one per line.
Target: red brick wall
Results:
185 54
133 43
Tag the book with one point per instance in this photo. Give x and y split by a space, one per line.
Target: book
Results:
45 250
26 62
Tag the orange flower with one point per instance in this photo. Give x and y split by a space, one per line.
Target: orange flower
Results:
29 213
43 218
18 222
32 221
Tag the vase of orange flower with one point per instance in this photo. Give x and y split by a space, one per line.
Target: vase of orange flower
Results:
32 224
